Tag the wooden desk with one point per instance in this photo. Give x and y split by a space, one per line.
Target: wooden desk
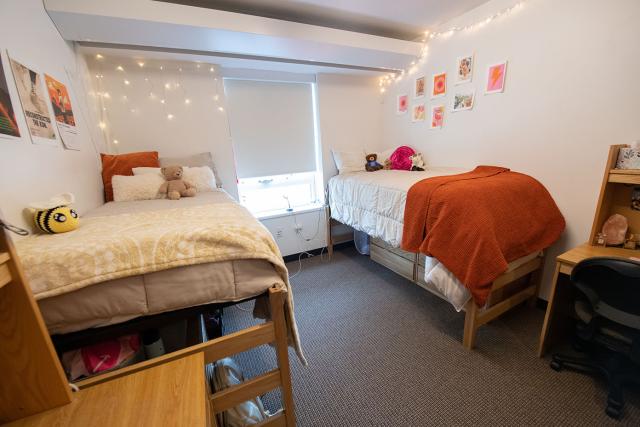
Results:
173 393
556 321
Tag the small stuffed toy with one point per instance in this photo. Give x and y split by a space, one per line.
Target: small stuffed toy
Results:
417 163
372 163
174 186
55 216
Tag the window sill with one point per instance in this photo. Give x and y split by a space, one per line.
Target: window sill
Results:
283 212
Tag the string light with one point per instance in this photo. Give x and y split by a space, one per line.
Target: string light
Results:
98 56
115 141
170 116
119 68
102 125
387 79
162 101
187 101
127 82
140 64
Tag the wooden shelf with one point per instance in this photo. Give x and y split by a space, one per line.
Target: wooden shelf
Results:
624 176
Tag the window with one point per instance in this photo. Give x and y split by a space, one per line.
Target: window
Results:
274 132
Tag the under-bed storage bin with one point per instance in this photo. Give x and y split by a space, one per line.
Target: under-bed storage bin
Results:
394 259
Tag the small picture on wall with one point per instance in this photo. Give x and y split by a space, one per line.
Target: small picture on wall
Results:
418 113
34 104
419 87
62 111
437 117
463 101
465 69
8 124
439 85
402 104
496 77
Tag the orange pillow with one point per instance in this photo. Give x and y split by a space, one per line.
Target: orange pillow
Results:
122 164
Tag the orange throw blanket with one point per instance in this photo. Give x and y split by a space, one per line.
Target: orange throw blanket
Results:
477 222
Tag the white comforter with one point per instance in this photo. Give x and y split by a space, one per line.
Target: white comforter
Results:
373 202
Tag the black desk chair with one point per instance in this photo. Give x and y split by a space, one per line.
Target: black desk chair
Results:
608 325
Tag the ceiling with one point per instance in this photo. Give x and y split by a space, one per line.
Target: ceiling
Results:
404 19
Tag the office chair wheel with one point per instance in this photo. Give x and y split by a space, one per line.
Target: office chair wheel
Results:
556 365
614 412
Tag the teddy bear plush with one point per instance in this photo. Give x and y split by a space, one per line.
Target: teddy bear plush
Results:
174 186
372 164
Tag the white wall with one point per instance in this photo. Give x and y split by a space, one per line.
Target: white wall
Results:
140 121
31 172
571 91
350 116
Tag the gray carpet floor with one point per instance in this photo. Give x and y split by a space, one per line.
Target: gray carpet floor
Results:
384 352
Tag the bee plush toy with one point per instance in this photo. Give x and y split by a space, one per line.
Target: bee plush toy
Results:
55 215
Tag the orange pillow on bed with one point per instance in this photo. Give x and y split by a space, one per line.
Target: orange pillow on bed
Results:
122 164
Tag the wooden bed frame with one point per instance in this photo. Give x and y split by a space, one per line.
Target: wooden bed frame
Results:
33 379
507 291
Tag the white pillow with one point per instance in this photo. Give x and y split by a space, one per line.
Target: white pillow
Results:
201 176
137 187
349 161
383 155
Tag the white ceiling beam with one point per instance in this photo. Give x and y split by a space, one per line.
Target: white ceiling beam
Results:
163 25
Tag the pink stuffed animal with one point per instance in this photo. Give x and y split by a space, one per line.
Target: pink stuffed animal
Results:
401 158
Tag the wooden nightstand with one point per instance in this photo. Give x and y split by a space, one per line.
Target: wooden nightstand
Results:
173 394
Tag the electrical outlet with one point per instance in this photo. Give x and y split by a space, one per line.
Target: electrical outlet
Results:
278 233
298 228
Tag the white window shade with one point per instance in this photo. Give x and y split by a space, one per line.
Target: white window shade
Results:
272 127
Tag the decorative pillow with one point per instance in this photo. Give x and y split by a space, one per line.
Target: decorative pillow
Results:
196 160
349 161
137 187
401 158
202 177
122 164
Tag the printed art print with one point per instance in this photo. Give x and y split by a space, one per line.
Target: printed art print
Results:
463 101
465 69
437 117
439 85
418 113
419 87
496 77
8 124
34 103
402 104
62 111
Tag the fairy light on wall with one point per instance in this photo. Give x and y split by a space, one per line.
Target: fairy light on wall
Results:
156 83
387 79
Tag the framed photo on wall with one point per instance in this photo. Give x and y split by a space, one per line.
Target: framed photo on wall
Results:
439 85
418 113
402 104
496 76
437 117
464 68
419 87
463 101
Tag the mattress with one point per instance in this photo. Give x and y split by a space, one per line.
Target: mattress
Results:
373 202
126 298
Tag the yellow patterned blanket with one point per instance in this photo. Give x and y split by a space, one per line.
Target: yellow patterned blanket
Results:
110 247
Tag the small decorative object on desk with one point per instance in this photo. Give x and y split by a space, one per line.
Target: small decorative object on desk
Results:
629 158
630 243
601 239
615 229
